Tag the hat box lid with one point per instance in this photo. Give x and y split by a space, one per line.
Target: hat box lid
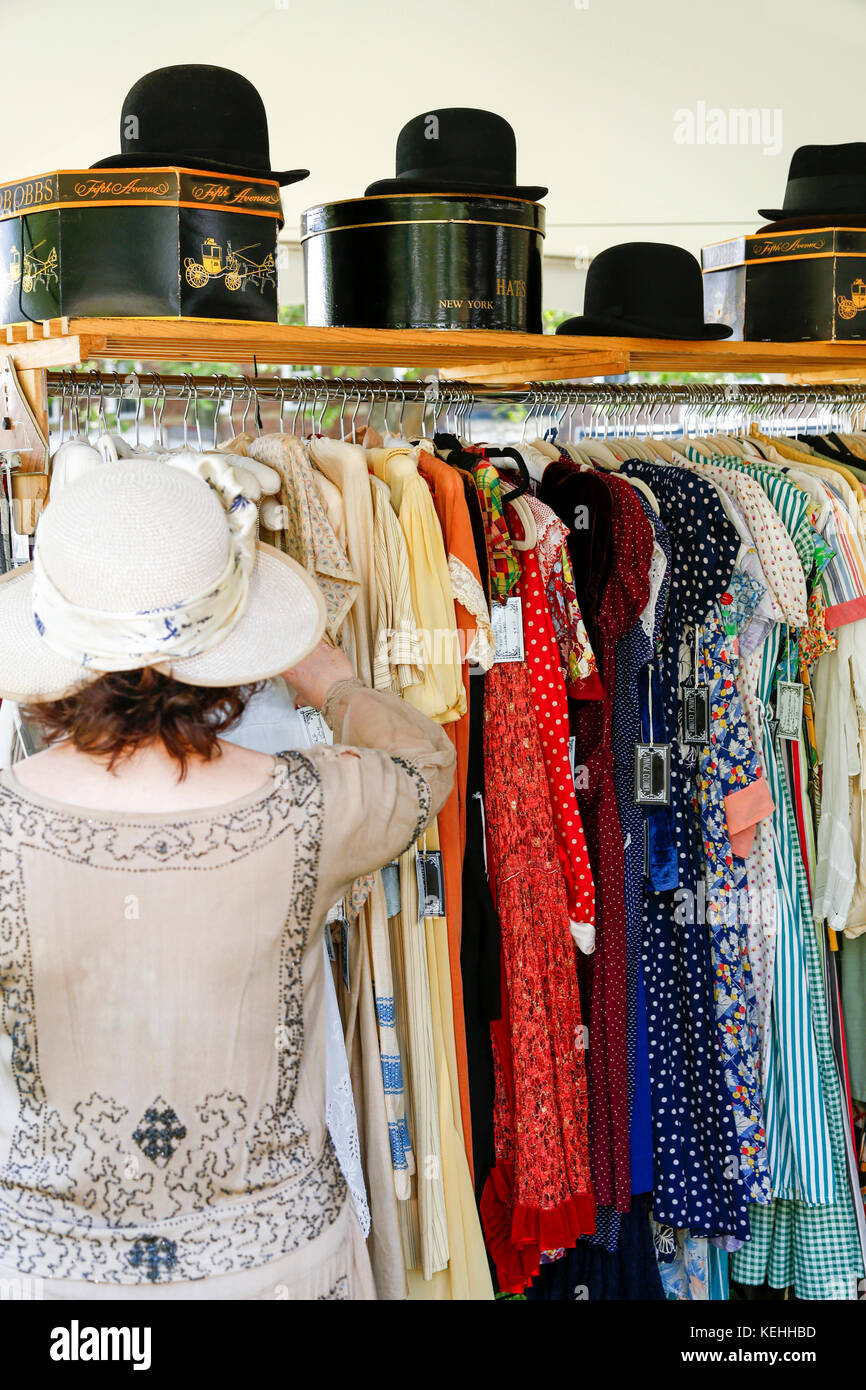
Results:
389 209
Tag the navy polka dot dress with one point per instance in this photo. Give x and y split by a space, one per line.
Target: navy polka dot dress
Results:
694 1136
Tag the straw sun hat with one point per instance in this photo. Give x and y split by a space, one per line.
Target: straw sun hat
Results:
153 563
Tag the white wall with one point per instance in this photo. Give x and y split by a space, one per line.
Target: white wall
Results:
592 88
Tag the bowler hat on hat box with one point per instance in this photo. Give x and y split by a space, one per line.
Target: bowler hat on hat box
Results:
457 149
824 181
197 117
644 289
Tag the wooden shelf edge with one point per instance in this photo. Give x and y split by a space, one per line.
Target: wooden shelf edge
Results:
468 354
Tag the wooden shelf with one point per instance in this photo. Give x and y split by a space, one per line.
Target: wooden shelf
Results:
471 354
66 342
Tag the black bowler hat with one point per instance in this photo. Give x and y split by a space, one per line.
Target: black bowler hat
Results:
198 117
457 149
824 181
644 289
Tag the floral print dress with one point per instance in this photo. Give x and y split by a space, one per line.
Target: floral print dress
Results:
726 767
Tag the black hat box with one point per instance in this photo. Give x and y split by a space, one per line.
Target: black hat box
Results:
140 243
420 260
789 284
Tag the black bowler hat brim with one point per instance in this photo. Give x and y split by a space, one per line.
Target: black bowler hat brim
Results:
622 328
808 215
530 193
175 161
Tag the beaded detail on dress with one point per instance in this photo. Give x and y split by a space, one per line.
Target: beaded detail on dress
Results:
181 1190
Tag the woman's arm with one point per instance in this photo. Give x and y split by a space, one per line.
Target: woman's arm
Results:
313 677
390 771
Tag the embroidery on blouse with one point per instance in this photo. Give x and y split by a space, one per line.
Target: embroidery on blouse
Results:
422 786
340 1290
152 1197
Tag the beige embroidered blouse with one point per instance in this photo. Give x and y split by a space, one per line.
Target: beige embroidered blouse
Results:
162 1044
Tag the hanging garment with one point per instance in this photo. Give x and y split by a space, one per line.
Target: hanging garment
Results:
806 1237
550 707
695 1142
308 535
441 694
479 950
398 654
731 797
582 681
538 1196
467 1275
589 1274
345 465
634 652
617 608
503 563
475 638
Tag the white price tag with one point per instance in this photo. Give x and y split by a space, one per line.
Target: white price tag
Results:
507 622
316 729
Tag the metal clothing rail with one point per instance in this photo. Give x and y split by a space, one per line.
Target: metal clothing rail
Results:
150 385
604 408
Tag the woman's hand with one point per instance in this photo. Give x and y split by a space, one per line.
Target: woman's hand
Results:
313 677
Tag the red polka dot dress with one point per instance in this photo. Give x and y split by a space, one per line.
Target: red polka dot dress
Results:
538 1195
550 708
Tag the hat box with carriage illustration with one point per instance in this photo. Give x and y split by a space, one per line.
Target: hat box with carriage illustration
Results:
801 278
797 286
145 243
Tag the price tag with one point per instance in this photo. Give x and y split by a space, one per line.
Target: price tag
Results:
338 912
431 883
315 726
789 709
507 623
329 942
652 774
695 707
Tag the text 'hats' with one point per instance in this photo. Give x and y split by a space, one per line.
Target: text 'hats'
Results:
198 117
644 289
824 181
457 149
140 548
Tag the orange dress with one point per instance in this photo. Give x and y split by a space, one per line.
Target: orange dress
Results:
476 644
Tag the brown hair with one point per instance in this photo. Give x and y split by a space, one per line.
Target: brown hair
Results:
125 710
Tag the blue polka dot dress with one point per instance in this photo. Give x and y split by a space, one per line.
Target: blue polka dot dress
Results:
697 1182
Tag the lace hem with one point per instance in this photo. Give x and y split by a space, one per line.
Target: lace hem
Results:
468 592
340 1106
516 1235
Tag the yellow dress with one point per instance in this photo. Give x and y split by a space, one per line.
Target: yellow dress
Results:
467 1275
441 695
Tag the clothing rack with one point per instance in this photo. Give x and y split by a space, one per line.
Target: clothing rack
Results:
604 407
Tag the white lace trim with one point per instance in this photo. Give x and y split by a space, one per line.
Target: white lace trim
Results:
468 591
340 1103
658 565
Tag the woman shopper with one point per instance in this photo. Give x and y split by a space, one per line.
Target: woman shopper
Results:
163 894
